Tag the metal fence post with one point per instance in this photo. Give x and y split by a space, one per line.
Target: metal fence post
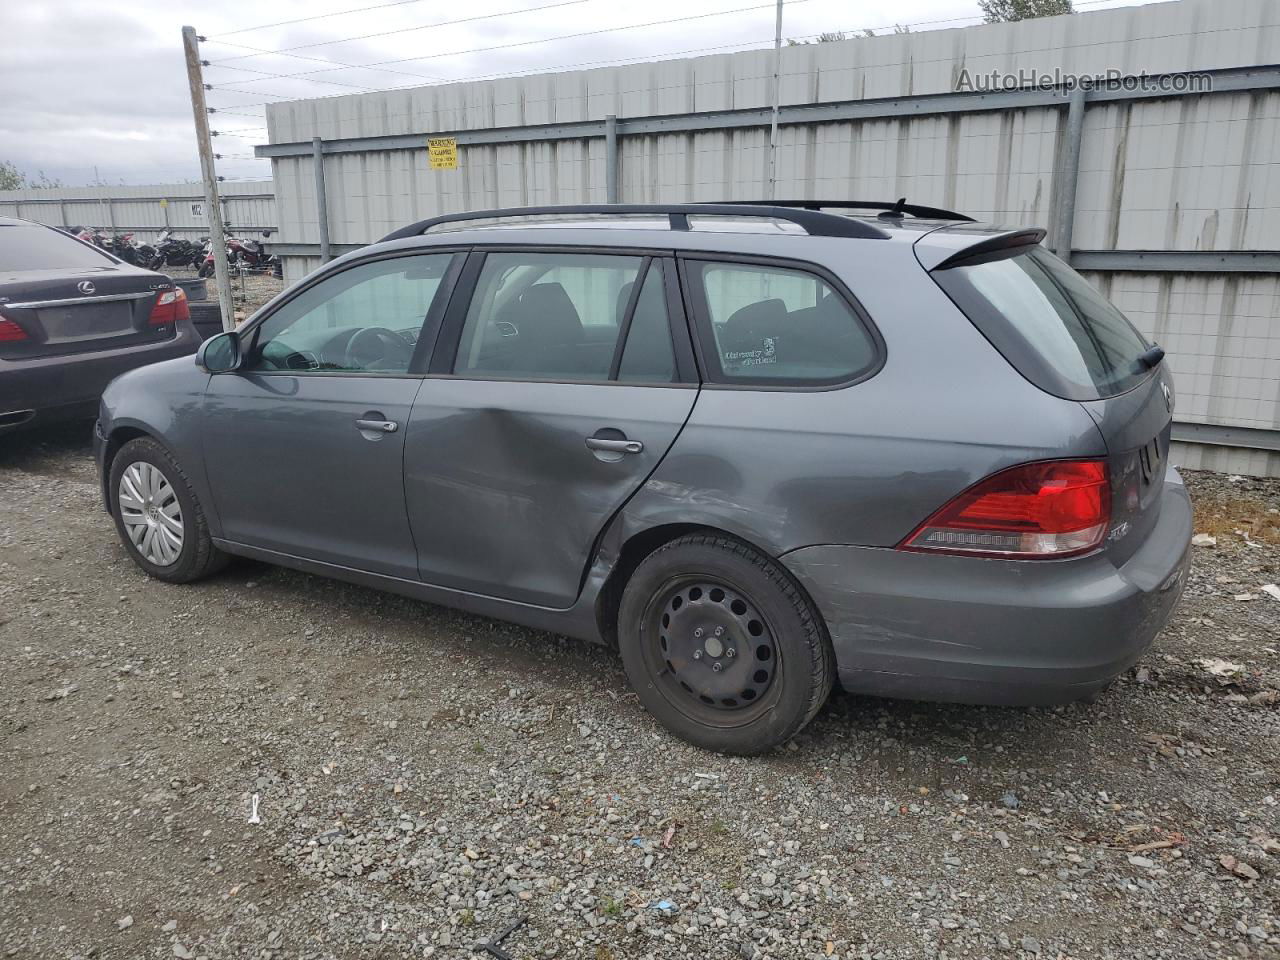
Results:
611 159
322 199
1065 217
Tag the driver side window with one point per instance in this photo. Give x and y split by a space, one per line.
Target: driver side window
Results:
366 319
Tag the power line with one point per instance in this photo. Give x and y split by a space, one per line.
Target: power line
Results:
263 93
283 76
318 16
302 56
917 62
425 26
535 42
251 116
853 32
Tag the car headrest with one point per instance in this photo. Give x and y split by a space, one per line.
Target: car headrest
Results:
765 318
546 314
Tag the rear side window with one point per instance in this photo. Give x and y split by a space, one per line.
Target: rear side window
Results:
568 316
1056 329
40 248
776 325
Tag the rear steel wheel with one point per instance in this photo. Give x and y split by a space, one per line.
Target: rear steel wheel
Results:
711 650
722 646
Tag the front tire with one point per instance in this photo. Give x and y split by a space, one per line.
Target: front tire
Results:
722 646
158 517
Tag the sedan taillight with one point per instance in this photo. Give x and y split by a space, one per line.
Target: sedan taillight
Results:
170 307
1056 508
10 332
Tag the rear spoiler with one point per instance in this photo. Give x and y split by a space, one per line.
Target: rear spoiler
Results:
954 246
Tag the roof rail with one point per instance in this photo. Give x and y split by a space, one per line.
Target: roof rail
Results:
894 210
814 223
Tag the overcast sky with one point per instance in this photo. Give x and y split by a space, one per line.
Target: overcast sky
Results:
92 90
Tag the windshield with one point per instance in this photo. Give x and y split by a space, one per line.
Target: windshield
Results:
1047 320
39 248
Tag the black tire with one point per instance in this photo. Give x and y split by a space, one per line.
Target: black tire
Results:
782 658
198 557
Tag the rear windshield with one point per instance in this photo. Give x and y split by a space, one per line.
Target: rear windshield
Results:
1056 329
40 248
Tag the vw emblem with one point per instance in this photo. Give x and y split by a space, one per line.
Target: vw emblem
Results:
86 287
1168 395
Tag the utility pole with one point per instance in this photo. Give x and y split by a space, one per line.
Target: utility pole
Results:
212 203
777 100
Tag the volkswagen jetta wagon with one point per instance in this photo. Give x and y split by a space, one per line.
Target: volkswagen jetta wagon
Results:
761 449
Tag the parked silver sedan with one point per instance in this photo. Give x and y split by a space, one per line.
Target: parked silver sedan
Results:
760 449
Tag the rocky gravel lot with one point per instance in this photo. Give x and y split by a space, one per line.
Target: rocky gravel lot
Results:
423 779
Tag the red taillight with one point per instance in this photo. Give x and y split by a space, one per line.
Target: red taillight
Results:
170 307
1050 509
10 332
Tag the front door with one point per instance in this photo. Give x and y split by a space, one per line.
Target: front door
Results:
304 444
565 390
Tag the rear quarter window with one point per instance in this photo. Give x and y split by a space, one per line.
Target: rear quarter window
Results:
41 248
775 325
1049 323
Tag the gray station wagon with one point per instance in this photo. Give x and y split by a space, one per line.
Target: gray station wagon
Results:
760 448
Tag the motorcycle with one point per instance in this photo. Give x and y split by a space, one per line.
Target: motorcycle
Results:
171 251
124 247
243 253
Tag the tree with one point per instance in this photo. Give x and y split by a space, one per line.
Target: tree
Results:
11 178
1004 11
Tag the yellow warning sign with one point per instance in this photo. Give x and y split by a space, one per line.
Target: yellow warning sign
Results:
443 152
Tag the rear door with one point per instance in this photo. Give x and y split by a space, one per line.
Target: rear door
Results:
556 389
1069 340
59 296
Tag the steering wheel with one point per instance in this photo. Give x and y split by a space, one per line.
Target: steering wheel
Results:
375 347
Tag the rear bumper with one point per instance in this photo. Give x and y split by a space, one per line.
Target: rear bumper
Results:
61 388
935 627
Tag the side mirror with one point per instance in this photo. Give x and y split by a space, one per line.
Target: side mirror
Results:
220 353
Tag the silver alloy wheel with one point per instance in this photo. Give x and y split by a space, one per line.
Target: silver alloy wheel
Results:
151 513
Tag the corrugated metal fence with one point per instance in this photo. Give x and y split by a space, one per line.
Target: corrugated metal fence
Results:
1164 192
249 207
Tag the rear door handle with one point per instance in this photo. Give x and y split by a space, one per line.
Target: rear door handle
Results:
615 446
386 426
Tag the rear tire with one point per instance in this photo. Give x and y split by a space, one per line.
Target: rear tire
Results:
158 517
722 647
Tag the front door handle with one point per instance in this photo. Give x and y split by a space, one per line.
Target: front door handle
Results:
615 446
386 426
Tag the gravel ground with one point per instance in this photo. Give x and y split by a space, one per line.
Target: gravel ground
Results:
249 290
425 778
